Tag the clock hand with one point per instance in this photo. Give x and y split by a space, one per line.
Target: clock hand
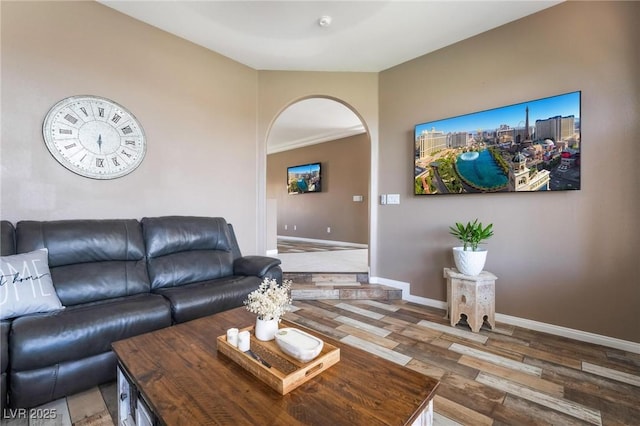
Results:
100 143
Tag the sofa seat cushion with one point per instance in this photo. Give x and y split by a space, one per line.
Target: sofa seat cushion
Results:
83 330
204 298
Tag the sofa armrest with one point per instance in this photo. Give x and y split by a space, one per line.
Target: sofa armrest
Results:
254 265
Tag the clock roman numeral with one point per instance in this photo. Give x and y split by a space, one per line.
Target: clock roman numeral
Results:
65 132
101 112
115 161
70 146
116 118
130 142
71 119
99 162
126 153
84 110
126 130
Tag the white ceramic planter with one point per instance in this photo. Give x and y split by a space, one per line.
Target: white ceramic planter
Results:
266 330
469 262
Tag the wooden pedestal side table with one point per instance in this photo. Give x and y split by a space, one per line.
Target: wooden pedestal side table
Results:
472 295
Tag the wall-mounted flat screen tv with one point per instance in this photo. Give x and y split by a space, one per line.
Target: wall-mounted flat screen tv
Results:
304 178
527 147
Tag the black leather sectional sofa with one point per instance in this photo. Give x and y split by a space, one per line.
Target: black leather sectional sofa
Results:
116 279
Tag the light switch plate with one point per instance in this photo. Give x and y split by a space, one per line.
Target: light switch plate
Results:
393 198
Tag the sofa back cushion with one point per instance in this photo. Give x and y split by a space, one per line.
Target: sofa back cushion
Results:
7 238
89 260
185 249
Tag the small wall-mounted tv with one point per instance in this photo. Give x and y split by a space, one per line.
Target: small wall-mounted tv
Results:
304 178
527 147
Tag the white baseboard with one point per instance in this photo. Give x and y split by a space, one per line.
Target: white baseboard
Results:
406 292
272 252
313 240
570 333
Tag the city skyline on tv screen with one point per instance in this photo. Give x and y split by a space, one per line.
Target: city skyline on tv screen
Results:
304 178
526 147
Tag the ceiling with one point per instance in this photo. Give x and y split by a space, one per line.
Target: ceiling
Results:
363 36
312 121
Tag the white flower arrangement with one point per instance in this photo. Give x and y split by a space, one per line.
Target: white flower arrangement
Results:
270 300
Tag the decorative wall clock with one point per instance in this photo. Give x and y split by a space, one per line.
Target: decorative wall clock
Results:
94 137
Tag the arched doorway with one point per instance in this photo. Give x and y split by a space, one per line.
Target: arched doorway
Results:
326 230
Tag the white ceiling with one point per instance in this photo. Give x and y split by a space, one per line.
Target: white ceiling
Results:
364 36
312 121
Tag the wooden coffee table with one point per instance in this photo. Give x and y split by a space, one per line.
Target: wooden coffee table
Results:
176 376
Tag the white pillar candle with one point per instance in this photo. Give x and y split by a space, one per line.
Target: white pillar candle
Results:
244 341
232 336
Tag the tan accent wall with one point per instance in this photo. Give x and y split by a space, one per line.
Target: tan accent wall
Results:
345 173
198 110
564 258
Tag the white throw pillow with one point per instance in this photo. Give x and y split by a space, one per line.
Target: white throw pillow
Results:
26 286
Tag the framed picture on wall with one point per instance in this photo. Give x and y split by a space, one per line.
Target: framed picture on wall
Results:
527 147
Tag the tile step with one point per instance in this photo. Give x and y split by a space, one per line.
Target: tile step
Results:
340 292
337 286
337 283
326 277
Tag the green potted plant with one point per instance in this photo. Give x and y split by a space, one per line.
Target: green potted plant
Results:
470 259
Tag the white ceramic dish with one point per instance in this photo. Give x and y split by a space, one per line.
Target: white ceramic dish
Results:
298 344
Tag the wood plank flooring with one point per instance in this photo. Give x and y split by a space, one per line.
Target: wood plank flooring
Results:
508 376
502 377
302 246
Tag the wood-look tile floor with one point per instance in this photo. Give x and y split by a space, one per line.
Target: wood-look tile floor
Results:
319 256
301 246
508 376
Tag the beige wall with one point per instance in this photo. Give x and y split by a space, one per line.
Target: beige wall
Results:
345 173
564 258
198 110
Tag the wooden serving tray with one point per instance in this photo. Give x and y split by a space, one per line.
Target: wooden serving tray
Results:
286 373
